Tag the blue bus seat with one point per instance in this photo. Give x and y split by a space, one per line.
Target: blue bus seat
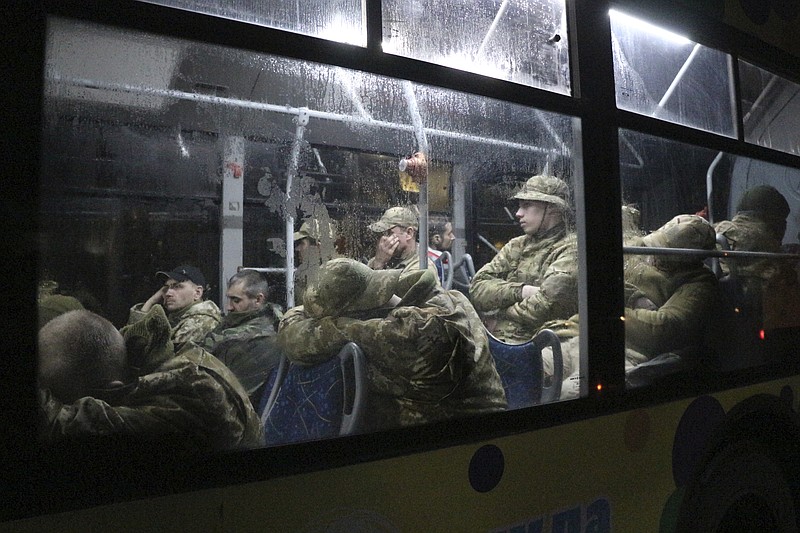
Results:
522 372
316 402
276 375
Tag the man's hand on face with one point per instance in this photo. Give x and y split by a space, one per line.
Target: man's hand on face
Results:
387 245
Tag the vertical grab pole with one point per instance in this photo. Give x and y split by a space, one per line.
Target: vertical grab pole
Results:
422 142
289 207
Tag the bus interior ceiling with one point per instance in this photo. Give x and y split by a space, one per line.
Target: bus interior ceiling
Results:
134 157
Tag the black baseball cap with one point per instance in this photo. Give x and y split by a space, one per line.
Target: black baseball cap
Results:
184 272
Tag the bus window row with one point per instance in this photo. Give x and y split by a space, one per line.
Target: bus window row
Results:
304 196
425 353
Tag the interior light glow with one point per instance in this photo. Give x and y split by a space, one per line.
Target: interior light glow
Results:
599 386
342 32
391 46
761 334
621 18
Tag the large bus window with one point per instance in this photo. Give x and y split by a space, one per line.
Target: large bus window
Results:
711 281
337 20
524 42
217 159
771 107
665 75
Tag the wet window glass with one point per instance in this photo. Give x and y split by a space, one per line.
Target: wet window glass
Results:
711 279
771 109
664 75
175 175
524 42
336 20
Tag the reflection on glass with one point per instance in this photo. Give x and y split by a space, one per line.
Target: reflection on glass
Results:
664 75
524 42
696 310
771 107
336 20
160 152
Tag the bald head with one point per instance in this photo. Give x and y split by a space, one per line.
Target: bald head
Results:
80 352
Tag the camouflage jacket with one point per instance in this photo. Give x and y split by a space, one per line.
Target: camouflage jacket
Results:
427 359
189 398
409 262
191 323
550 263
246 343
685 300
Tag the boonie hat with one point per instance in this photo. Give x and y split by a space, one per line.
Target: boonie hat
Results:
184 272
683 231
395 216
543 188
311 229
345 285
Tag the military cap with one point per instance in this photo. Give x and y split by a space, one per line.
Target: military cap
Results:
404 217
683 231
345 285
765 200
183 273
543 188
312 229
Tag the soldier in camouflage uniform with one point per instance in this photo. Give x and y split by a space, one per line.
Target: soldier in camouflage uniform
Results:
245 339
427 355
533 279
769 287
669 300
314 245
396 246
96 381
190 316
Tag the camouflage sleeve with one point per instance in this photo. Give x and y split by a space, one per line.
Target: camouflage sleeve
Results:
489 290
136 314
404 345
87 416
193 328
676 324
557 297
309 341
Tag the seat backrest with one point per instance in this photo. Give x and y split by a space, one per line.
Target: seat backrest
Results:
463 272
722 244
444 266
522 371
316 402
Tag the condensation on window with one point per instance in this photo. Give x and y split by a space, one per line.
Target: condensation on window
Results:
524 42
335 20
662 74
145 131
771 109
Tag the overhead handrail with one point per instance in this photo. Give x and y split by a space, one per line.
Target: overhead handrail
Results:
694 252
289 110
